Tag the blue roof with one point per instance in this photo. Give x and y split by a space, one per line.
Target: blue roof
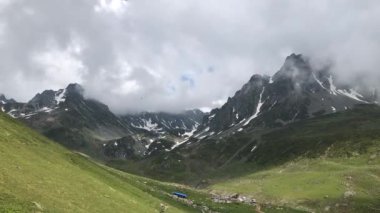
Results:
179 194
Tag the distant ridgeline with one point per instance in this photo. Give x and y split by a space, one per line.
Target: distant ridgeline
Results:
164 141
87 125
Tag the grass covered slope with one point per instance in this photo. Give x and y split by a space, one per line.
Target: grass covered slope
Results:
338 185
327 163
37 175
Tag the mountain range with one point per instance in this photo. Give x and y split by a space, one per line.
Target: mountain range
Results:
297 141
244 132
296 92
88 125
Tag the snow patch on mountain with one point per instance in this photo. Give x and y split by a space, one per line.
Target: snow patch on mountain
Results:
318 81
149 126
60 96
259 105
12 113
271 80
351 93
333 90
191 133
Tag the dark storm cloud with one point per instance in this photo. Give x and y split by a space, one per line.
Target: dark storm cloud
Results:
173 55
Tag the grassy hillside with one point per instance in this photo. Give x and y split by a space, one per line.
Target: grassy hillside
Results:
338 185
328 163
331 162
38 175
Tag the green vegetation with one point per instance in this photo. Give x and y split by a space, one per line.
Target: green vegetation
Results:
339 135
37 175
341 185
328 163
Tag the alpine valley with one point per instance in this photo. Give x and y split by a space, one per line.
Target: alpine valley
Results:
297 141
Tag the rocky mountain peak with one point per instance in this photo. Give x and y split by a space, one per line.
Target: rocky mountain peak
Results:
44 99
295 92
75 88
256 81
256 78
195 112
296 68
4 100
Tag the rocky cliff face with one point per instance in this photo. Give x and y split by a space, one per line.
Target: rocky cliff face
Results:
89 126
295 92
178 124
69 118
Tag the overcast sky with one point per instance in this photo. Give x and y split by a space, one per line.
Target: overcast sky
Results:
161 55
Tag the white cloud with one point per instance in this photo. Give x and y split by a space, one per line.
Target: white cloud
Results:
4 3
61 66
111 6
174 55
218 103
2 31
127 87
